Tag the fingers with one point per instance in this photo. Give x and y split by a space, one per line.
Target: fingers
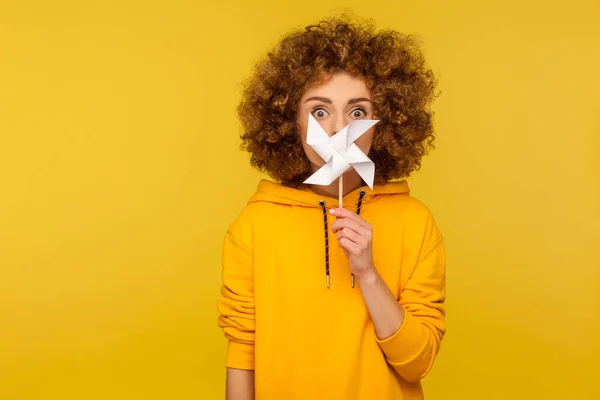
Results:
350 247
350 234
341 223
353 233
353 242
343 213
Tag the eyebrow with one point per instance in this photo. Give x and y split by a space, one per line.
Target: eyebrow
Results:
358 100
317 98
328 101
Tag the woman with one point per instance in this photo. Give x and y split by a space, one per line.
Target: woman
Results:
321 302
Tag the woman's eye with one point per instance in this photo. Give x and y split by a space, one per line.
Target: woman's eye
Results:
319 113
359 113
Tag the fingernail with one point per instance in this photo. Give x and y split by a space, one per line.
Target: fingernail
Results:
332 211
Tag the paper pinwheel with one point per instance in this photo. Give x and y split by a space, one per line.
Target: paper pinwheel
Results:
339 151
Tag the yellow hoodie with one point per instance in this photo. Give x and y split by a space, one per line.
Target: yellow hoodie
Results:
307 341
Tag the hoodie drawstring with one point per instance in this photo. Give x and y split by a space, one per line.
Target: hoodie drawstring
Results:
322 204
326 228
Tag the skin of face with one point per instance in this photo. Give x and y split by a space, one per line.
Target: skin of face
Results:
334 103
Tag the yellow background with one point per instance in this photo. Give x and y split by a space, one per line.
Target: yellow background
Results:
120 171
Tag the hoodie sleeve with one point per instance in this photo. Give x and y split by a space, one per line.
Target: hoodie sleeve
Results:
413 348
236 303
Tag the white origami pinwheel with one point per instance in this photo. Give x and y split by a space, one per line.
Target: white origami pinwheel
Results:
339 151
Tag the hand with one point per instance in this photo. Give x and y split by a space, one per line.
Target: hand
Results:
354 235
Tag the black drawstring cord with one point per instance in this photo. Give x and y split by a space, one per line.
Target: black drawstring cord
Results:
360 199
322 204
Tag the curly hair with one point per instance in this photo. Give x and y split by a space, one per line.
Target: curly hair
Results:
393 66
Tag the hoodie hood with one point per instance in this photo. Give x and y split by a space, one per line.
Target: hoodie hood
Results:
271 192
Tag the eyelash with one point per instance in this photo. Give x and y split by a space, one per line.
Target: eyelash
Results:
359 109
351 112
318 108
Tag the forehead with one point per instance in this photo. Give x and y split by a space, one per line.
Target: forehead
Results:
340 86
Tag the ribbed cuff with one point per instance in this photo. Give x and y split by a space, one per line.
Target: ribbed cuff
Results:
406 343
240 355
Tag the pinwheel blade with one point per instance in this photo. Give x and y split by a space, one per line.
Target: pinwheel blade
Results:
339 165
323 176
358 127
317 138
362 164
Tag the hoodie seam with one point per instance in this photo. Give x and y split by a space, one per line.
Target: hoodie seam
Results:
244 245
430 248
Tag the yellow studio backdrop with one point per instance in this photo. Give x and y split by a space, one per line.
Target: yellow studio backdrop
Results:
120 172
